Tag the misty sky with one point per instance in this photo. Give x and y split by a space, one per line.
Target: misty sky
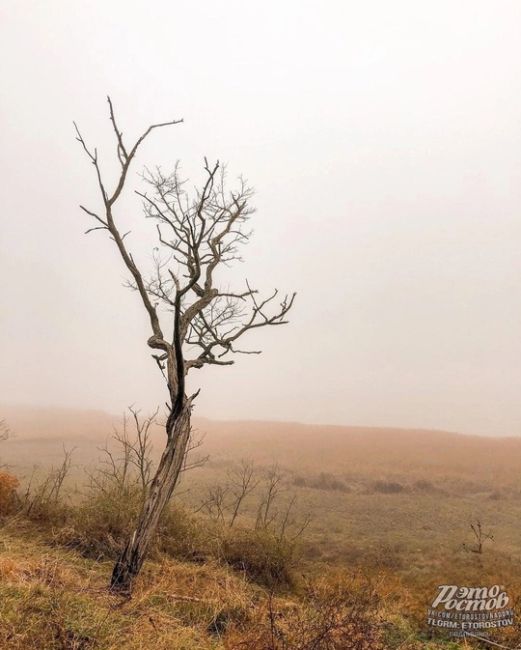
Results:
384 143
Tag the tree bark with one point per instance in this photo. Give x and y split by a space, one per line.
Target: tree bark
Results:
134 554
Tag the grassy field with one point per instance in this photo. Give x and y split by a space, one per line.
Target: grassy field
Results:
389 506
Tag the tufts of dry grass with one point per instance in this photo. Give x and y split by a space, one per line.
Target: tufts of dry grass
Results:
8 486
261 555
56 599
339 612
51 599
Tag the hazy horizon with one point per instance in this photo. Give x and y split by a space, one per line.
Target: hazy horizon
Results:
26 410
384 143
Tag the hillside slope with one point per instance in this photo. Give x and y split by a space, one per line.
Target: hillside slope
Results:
40 433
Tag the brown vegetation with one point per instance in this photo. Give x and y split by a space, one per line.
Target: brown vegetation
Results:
215 566
8 496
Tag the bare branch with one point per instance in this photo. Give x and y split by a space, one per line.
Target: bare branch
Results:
194 320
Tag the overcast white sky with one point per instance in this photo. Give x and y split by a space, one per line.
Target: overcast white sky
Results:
384 143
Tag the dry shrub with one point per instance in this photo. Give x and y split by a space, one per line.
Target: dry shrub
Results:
43 502
266 551
422 485
184 536
388 487
99 526
322 481
334 614
8 499
261 555
102 524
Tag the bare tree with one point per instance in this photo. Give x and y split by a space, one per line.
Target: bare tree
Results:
193 321
480 537
265 513
140 448
37 502
215 503
243 481
221 499
127 459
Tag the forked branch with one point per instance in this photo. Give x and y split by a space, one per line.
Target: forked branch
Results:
197 233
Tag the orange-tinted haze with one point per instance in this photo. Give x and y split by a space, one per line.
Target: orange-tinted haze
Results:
384 142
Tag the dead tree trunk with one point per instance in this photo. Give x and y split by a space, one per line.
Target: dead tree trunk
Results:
196 235
131 559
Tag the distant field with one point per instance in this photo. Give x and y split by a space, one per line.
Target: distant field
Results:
383 497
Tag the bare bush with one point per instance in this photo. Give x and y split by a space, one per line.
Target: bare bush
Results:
266 550
480 538
127 457
43 501
266 512
243 482
334 614
224 502
215 505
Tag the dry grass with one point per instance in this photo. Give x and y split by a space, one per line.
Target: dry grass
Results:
100 525
53 599
8 487
396 511
56 599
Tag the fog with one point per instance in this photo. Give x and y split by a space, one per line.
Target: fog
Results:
384 143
